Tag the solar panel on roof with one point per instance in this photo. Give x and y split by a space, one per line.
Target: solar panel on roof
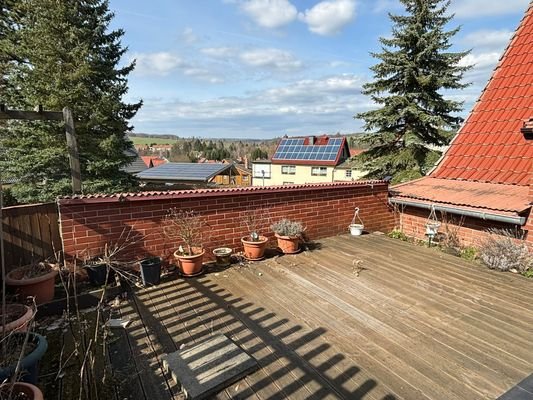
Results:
183 171
294 149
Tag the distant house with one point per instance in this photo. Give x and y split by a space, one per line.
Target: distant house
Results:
137 165
349 170
485 178
153 161
298 160
190 174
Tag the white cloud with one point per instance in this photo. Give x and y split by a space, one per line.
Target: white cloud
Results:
481 60
270 58
329 17
160 64
219 52
481 8
270 13
164 63
306 106
386 5
189 36
488 39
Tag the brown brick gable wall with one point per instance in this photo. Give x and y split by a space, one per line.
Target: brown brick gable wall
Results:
326 210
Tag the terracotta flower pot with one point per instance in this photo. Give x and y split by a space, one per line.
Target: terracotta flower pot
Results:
190 265
254 250
289 244
42 287
21 390
18 317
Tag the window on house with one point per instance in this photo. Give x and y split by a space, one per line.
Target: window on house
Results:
288 183
245 178
348 173
319 171
288 169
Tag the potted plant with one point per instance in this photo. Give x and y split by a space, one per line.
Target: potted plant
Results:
254 244
37 280
20 391
18 317
187 227
288 233
99 271
151 271
31 346
223 256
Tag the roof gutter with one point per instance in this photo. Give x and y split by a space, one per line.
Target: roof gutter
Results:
467 213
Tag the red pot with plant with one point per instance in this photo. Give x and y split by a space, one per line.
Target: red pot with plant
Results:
18 318
37 280
20 390
288 234
187 227
254 244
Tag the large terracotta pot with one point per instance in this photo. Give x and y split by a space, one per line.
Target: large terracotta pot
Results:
289 244
29 391
18 319
254 250
41 287
190 265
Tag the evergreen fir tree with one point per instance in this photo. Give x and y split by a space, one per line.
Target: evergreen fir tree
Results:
66 56
415 70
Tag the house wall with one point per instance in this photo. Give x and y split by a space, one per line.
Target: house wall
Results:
339 175
87 223
302 175
470 231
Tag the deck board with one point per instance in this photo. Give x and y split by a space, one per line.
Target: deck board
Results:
414 323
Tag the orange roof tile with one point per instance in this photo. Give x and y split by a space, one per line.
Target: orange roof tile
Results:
480 196
492 132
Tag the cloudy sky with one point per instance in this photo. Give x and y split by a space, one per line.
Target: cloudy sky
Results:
265 68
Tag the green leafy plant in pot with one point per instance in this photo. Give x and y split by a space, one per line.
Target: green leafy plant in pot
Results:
254 244
288 234
187 227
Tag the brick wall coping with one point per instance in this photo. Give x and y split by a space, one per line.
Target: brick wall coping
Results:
195 193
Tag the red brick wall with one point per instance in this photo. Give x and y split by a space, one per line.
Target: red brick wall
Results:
471 231
87 223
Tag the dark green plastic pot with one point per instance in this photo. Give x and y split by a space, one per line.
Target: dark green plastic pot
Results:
30 364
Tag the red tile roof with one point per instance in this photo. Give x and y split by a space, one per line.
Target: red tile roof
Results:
485 197
356 152
155 160
490 146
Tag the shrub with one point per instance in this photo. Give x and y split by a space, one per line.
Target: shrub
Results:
398 234
287 227
501 251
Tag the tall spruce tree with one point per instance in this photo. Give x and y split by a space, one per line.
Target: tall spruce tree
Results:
415 70
67 56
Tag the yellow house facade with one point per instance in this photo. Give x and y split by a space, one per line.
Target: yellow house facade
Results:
301 160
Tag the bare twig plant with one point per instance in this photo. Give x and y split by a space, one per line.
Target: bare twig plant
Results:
255 220
186 226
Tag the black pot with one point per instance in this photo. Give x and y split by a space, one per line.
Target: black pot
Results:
97 273
151 271
29 366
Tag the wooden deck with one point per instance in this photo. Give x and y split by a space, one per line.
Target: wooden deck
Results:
414 323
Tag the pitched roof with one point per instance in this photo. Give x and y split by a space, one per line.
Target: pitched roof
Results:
490 146
480 196
153 161
175 172
311 150
137 165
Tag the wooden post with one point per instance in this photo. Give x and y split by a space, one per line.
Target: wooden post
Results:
72 144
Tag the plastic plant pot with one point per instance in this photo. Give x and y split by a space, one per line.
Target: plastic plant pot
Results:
41 287
151 271
97 273
223 256
29 364
356 229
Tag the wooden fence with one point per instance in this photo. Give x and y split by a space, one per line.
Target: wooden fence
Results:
31 233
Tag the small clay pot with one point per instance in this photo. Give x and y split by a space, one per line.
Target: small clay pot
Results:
31 392
254 250
223 256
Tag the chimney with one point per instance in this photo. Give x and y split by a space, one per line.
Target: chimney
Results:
527 129
311 140
246 165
